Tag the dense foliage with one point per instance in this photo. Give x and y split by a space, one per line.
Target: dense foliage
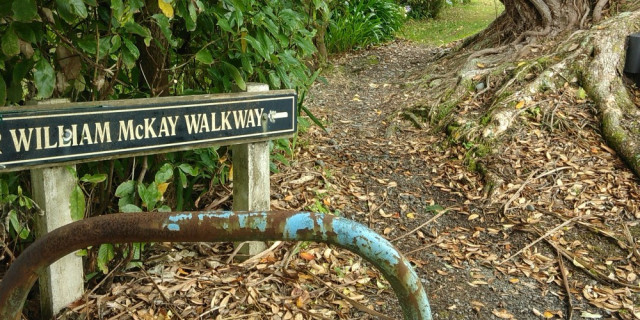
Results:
86 50
358 24
423 8
114 49
106 49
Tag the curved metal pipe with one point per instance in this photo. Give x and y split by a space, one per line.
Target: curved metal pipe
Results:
214 226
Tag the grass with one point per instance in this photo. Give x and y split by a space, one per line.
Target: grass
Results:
454 23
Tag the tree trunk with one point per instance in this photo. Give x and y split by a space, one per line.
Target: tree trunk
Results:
550 17
536 46
153 58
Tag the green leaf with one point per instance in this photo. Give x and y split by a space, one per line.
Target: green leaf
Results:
135 28
224 24
131 54
185 13
204 56
14 93
91 275
3 91
149 195
130 208
64 11
581 94
117 8
44 78
164 208
10 43
165 27
135 5
313 118
188 169
183 179
434 208
5 8
77 203
91 2
125 189
306 44
258 47
24 31
116 43
24 10
78 8
246 65
165 173
70 10
94 179
20 71
235 74
105 254
274 80
22 231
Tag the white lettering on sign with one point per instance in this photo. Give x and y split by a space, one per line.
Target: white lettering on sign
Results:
39 138
35 137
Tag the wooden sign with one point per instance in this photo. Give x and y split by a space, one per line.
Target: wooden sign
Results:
108 129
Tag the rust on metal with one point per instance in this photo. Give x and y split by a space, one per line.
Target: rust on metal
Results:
214 226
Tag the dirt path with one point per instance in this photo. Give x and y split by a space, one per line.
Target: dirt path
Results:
396 180
414 186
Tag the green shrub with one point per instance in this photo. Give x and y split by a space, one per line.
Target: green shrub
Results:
87 50
420 9
358 24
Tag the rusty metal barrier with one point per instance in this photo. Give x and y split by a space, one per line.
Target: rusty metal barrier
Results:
214 226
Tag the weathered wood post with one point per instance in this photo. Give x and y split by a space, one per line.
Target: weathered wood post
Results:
251 181
63 281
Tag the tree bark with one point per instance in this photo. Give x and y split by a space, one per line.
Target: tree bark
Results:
153 58
555 41
543 17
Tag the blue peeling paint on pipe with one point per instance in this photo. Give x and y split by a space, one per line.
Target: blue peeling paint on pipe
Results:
212 226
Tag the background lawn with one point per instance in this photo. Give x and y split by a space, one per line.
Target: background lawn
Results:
454 23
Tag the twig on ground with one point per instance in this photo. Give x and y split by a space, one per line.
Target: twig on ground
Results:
565 281
290 255
420 249
108 276
241 316
515 195
595 229
259 256
354 303
526 182
631 243
374 208
127 310
164 297
309 314
235 252
589 268
422 225
544 236
218 202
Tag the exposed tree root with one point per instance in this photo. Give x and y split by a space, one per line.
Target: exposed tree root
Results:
506 84
601 76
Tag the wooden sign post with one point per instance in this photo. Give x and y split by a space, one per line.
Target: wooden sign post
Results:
46 139
63 281
251 183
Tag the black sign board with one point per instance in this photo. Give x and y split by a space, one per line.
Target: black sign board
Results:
109 129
